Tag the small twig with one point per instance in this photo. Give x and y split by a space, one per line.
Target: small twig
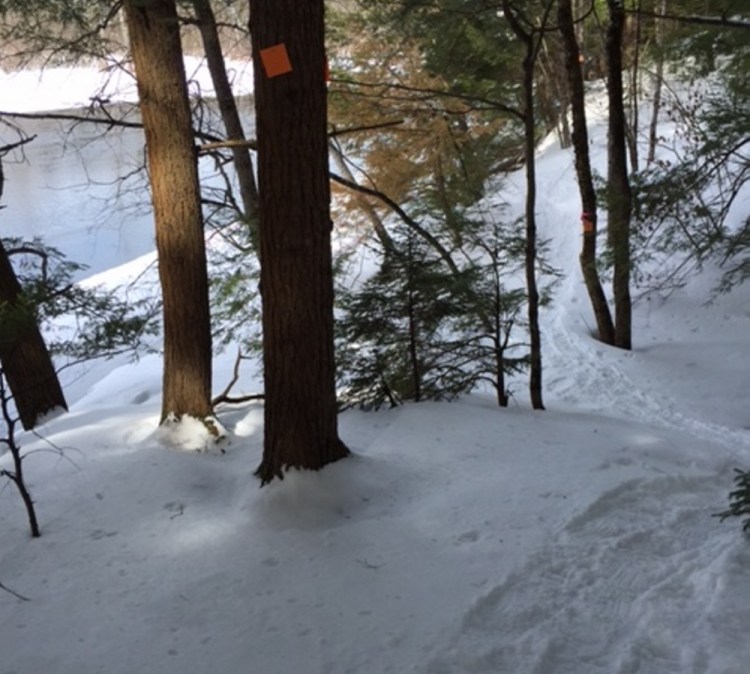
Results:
224 396
7 148
367 564
14 593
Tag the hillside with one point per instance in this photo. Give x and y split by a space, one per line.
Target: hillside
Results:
459 537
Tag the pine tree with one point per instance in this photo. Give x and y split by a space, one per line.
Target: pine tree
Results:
397 338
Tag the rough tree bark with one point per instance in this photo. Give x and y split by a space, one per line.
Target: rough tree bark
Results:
580 137
295 237
619 198
25 359
175 191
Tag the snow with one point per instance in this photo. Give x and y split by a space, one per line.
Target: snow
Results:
63 87
458 537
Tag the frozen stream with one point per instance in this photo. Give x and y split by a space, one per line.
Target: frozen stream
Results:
66 188
81 184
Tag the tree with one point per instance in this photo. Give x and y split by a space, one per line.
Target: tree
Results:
16 474
531 38
399 334
175 192
24 358
295 244
619 198
484 75
658 86
580 138
243 164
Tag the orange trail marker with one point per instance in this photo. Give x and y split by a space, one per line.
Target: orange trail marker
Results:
276 60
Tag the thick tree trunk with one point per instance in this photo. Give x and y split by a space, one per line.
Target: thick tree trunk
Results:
175 191
24 358
243 163
295 237
619 199
605 326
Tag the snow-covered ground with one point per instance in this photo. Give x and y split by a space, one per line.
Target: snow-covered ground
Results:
458 537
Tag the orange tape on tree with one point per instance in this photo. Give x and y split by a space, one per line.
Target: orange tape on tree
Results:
275 60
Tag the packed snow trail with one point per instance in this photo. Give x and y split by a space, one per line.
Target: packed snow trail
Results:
631 585
641 580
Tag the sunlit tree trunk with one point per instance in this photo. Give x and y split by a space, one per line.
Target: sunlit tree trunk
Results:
175 191
295 237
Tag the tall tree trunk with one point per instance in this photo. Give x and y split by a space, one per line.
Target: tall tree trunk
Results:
658 85
24 358
175 192
560 92
295 237
580 136
619 199
243 163
632 128
535 336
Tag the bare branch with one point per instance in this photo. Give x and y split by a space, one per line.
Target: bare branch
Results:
8 148
385 86
224 396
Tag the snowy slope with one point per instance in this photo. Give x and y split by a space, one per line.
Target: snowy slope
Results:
458 537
